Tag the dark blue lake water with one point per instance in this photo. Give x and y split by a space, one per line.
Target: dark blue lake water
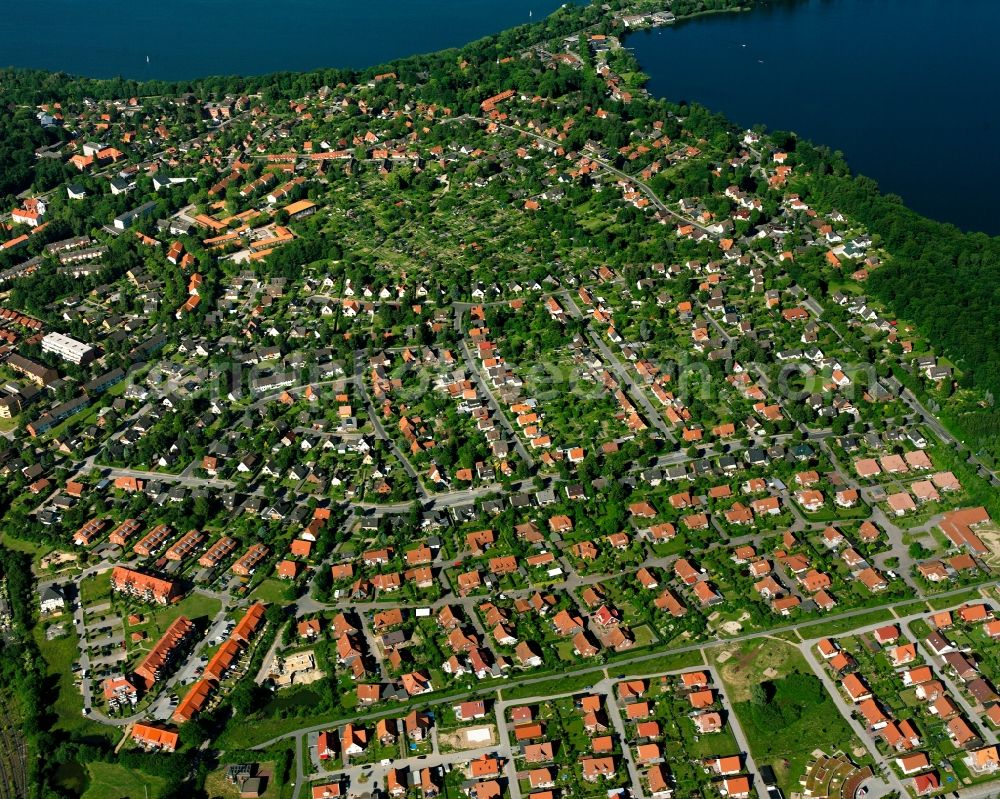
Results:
192 38
908 90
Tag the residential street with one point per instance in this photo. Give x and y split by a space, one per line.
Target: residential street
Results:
485 426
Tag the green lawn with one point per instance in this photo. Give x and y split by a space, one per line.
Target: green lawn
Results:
60 655
644 636
918 606
194 606
96 589
558 685
118 388
798 716
565 650
668 662
840 626
743 665
155 622
35 549
270 591
111 781
82 418
216 784
972 595
807 720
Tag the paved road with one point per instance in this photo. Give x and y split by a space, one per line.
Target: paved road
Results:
740 736
639 184
806 648
453 498
637 392
943 674
490 688
359 380
307 772
945 436
847 711
447 499
615 716
160 707
186 480
495 408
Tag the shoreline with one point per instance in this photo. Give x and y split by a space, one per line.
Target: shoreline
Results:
413 40
891 176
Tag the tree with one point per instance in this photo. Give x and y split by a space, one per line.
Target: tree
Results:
758 694
841 424
917 551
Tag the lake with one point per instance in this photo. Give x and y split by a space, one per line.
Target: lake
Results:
906 89
192 38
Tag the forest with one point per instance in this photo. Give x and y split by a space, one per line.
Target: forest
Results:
945 281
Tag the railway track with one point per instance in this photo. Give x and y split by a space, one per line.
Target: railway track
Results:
13 763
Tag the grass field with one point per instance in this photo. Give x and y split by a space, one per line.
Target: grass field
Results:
917 606
972 595
557 685
36 550
244 736
194 606
216 784
753 662
816 723
270 590
96 588
839 626
111 781
788 747
668 662
77 420
59 655
644 636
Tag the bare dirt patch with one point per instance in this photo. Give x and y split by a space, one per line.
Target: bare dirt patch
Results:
468 738
297 669
742 666
55 560
989 534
